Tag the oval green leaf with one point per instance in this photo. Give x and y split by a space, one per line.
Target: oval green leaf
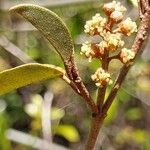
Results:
26 74
50 25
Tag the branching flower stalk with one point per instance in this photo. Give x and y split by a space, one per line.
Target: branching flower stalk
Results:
111 42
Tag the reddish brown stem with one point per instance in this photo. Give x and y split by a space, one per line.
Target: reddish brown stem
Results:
109 25
102 90
70 83
105 63
115 89
77 83
94 131
114 57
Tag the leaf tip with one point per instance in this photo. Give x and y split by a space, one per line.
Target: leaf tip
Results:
19 8
15 8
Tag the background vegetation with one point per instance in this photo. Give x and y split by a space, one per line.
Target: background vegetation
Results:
24 123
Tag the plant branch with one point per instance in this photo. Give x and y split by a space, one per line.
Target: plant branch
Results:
94 131
102 90
140 9
78 85
137 45
114 57
70 83
113 93
83 90
143 6
105 63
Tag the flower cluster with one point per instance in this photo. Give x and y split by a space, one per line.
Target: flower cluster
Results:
95 25
111 41
86 49
101 78
111 38
127 27
113 6
90 50
126 55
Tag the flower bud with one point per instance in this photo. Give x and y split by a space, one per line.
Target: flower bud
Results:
101 77
95 26
90 50
127 27
126 55
116 16
111 42
113 6
109 8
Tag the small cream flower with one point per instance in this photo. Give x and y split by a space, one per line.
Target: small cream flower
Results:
113 6
102 45
119 7
127 27
96 25
101 78
111 41
91 50
126 55
86 50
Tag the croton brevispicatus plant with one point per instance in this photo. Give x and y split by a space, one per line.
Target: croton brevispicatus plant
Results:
111 30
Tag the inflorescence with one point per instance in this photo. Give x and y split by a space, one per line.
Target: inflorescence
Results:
111 39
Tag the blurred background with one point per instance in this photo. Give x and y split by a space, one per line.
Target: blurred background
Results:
49 115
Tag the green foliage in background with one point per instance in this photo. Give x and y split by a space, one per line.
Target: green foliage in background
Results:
69 132
4 143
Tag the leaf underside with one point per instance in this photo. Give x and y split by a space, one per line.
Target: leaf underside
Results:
50 25
26 74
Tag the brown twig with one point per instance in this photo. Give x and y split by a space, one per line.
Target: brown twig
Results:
113 93
105 63
109 25
114 57
94 131
102 90
143 6
78 86
140 9
140 38
70 83
83 90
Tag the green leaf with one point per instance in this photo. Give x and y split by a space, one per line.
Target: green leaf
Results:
50 25
26 74
69 132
